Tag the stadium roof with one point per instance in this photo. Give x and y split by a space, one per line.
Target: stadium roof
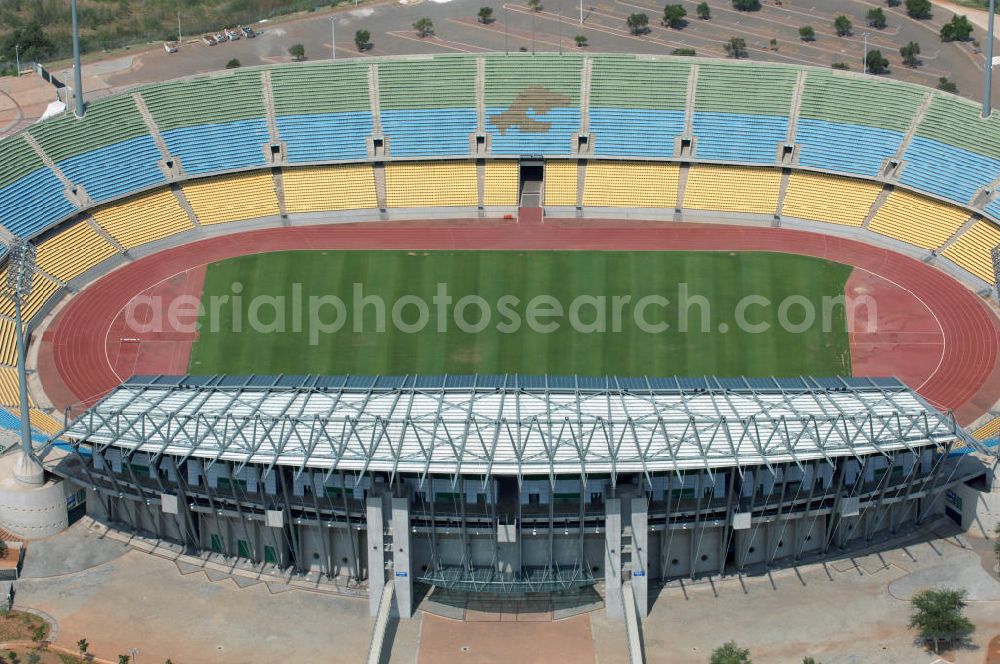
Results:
513 425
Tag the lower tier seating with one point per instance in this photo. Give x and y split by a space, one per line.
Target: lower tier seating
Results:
829 198
989 430
144 218
228 198
8 344
973 249
917 220
9 395
630 184
732 189
442 184
73 251
42 289
500 183
325 188
561 183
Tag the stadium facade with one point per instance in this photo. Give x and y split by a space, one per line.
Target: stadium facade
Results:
515 484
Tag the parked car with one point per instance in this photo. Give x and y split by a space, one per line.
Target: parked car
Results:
232 35
170 47
248 32
209 40
219 38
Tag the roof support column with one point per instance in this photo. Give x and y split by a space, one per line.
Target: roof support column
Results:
376 553
640 567
402 579
613 559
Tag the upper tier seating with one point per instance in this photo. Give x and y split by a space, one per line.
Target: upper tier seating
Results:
428 107
322 188
954 151
144 218
31 196
833 135
973 249
732 189
232 197
110 152
322 110
533 103
741 113
501 182
630 184
441 184
72 252
561 183
917 220
829 198
212 124
636 105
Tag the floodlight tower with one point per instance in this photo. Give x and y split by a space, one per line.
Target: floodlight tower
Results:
77 74
20 269
988 65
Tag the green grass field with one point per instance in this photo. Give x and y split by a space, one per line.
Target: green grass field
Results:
625 349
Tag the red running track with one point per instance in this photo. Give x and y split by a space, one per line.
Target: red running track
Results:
76 368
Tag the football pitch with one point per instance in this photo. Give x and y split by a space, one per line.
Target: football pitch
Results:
630 313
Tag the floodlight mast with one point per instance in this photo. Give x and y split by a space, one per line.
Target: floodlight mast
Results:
988 64
77 74
20 268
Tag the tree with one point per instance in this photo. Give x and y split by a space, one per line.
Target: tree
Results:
843 26
746 5
806 33
893 3
637 23
424 27
82 645
938 616
704 11
38 634
297 51
34 43
673 16
233 64
877 63
536 5
808 660
736 47
124 659
581 40
841 65
876 18
947 86
910 53
361 39
485 14
730 653
683 51
773 44
918 9
34 658
958 29
13 658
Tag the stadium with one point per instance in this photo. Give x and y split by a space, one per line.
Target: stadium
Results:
528 461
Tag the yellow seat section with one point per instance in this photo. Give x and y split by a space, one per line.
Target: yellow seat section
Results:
732 189
560 183
917 220
42 289
8 343
973 249
988 430
630 184
835 200
443 184
228 198
143 218
43 422
73 251
500 183
322 188
9 393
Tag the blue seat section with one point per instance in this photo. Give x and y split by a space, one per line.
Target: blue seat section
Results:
554 131
219 147
325 137
635 132
33 202
116 169
845 148
945 170
431 131
11 422
739 137
993 209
